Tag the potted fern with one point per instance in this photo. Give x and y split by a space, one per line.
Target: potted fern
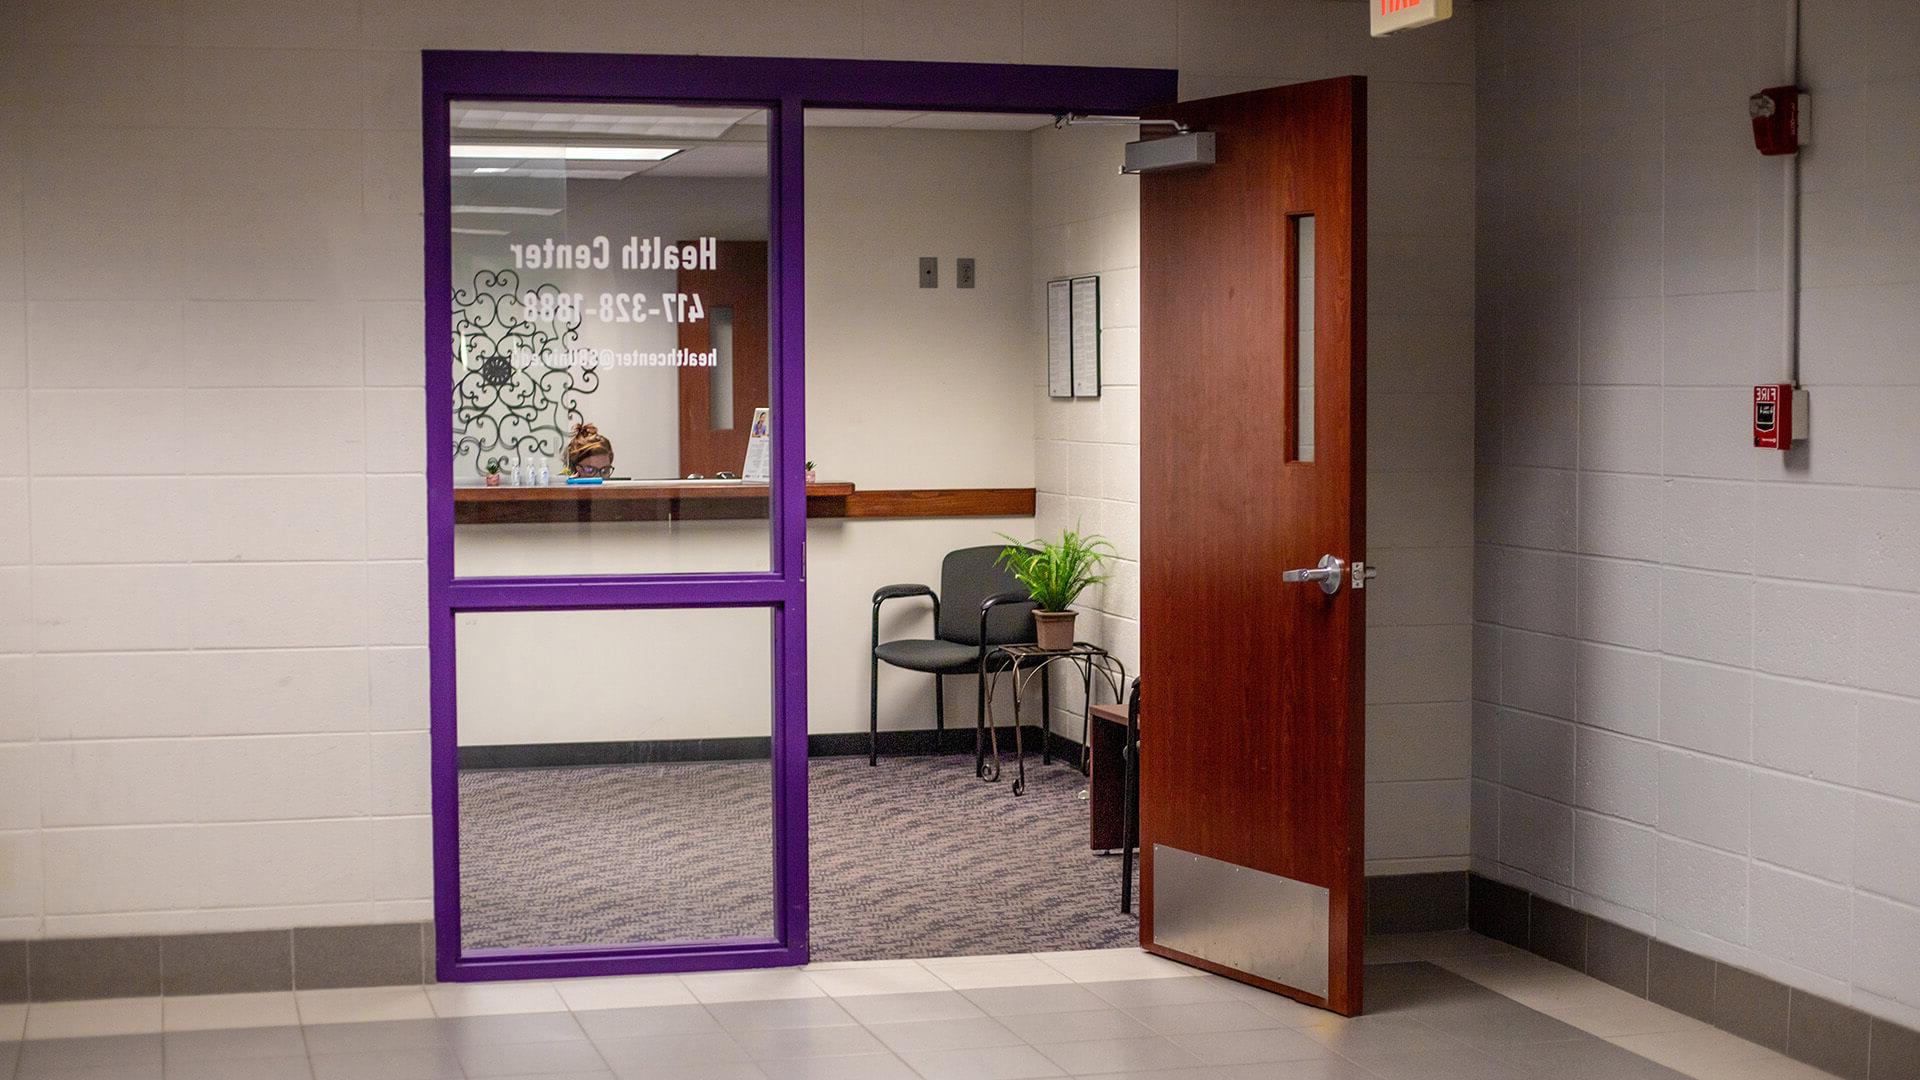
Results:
1055 575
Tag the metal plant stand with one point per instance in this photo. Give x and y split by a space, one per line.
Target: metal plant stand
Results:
1023 663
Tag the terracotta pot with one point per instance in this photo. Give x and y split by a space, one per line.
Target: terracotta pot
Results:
1053 630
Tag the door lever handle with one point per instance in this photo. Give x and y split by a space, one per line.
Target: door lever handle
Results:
1328 574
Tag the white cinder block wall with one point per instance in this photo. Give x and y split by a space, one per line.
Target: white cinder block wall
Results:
212 599
1420 385
1697 665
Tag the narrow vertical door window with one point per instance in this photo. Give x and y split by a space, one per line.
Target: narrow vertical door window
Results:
1300 345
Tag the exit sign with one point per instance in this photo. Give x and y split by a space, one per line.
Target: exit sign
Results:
1391 15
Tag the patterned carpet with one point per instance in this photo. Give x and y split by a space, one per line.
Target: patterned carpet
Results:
913 858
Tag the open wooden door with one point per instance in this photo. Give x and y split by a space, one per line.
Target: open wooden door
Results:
1253 440
717 403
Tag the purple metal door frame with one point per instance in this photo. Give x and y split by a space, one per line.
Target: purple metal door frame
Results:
786 86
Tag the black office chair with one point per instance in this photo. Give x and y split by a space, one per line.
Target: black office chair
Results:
985 608
1130 798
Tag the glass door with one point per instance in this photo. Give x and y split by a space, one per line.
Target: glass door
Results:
618 668
616 525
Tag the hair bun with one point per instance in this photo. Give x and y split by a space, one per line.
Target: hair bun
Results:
588 442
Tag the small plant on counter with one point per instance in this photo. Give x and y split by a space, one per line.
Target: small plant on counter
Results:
493 474
1054 575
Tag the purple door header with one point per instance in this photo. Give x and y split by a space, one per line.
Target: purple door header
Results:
874 84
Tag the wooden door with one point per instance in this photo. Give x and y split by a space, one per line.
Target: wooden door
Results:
1252 730
734 296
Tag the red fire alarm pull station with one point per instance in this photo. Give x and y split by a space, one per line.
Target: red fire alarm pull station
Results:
1777 120
1779 416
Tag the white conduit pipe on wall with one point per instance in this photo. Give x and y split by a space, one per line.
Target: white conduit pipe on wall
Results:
1790 239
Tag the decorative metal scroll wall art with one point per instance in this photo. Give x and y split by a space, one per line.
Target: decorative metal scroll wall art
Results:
517 377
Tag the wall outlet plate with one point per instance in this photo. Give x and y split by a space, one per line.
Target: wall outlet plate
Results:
963 273
929 272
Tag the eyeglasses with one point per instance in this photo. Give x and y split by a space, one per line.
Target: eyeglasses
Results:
590 471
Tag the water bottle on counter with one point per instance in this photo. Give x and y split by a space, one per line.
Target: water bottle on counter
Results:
544 477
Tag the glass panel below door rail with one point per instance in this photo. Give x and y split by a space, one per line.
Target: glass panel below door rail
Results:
615 777
597 427
1303 243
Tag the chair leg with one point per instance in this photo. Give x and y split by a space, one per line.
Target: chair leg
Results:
873 715
980 730
939 708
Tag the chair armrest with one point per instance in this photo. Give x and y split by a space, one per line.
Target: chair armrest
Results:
986 609
897 592
997 599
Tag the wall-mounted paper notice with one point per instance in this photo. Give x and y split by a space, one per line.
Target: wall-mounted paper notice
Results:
1086 336
1059 339
758 468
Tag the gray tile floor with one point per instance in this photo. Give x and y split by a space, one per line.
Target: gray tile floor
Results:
1440 1007
1424 1023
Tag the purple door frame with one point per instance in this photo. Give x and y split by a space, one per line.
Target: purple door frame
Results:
785 86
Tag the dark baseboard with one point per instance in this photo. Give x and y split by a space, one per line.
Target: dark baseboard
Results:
1417 903
746 748
1822 1033
251 961
395 954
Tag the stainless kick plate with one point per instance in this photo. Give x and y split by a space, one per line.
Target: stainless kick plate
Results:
1249 920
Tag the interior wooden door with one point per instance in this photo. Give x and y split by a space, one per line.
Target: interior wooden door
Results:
713 433
1251 715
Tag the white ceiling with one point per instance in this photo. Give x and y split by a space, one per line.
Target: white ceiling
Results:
712 141
587 118
943 121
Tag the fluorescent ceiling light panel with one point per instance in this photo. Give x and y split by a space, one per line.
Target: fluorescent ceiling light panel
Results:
570 153
574 172
621 153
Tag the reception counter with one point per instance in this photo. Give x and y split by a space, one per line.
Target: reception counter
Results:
716 500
